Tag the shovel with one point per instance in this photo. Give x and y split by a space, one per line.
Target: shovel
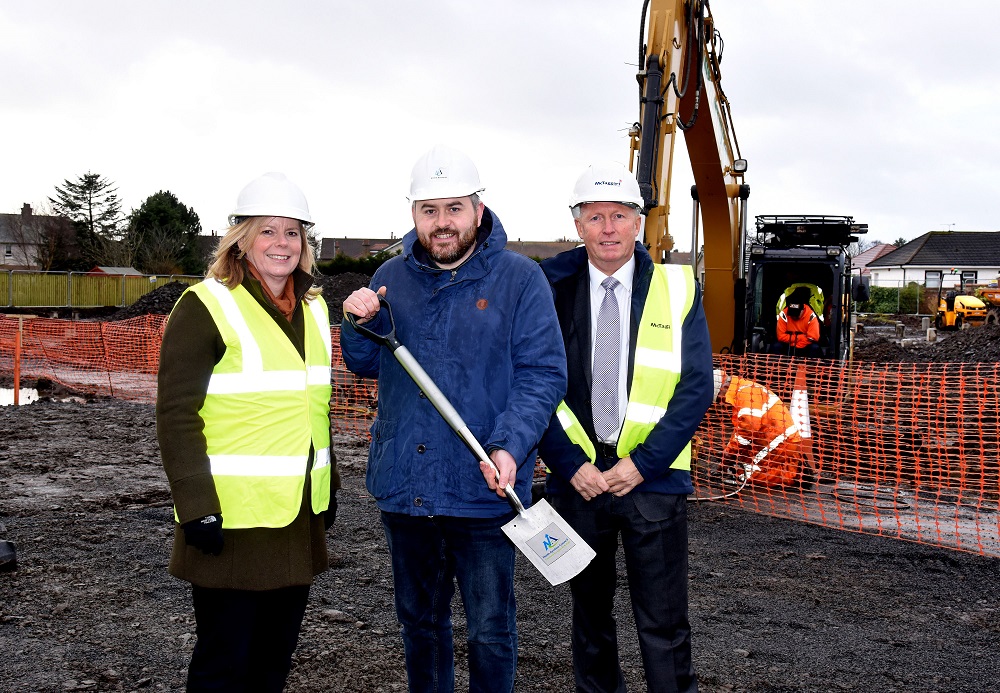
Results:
547 540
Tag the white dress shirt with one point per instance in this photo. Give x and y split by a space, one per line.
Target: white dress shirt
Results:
623 294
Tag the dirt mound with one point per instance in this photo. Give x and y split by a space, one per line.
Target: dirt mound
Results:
159 301
338 287
976 344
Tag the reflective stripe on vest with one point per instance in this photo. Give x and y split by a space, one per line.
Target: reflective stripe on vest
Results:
657 365
257 434
738 386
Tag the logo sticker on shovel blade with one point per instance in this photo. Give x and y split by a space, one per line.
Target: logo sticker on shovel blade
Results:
550 544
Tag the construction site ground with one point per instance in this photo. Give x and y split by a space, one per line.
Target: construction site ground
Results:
776 605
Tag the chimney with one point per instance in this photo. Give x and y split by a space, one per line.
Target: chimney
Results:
26 210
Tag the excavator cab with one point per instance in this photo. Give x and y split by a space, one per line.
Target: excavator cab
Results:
796 251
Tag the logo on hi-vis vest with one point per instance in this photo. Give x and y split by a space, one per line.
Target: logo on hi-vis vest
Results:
661 325
550 544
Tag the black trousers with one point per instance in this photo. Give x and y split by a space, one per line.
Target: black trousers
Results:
245 639
653 532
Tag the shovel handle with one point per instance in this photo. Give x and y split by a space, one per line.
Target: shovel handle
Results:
441 403
430 389
389 338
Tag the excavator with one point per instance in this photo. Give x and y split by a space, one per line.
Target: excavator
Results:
680 90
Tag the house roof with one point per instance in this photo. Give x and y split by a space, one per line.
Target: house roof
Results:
862 260
946 249
356 247
130 271
363 247
540 249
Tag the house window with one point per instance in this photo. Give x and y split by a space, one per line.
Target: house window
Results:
8 250
969 277
932 279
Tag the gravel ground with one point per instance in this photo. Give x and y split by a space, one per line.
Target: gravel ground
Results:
775 605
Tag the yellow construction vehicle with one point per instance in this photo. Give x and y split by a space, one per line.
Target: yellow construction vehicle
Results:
957 307
990 295
680 90
956 310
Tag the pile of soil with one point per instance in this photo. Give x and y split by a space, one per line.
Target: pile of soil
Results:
975 344
159 301
776 605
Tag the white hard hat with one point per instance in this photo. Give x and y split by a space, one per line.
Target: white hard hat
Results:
607 182
443 172
271 195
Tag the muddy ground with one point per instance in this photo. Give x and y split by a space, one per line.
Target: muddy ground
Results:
776 605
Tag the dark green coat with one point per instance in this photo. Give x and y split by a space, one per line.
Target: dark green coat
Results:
252 559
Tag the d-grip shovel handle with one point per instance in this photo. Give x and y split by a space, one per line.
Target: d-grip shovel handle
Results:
389 338
436 397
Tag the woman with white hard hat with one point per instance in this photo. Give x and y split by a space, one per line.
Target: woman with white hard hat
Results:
242 416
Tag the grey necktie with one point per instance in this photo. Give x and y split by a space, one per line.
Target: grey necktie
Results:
607 350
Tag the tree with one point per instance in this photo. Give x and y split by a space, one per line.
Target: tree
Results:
900 242
91 203
163 236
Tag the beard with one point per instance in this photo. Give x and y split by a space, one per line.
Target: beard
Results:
465 240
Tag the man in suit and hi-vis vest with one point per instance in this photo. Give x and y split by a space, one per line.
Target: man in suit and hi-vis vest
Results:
618 449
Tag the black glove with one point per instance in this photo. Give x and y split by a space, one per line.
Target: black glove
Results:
205 533
330 515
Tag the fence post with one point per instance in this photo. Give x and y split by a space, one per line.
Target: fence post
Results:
17 360
69 289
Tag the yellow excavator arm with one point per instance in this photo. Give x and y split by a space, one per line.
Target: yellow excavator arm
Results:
679 83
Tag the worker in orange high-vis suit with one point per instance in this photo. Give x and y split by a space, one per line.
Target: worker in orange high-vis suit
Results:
798 327
766 448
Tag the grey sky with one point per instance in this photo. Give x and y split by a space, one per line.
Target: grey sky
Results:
882 110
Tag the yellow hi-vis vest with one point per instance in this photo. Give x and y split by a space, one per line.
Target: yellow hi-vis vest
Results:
264 408
657 367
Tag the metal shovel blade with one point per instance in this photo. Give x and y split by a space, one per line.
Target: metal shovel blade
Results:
551 545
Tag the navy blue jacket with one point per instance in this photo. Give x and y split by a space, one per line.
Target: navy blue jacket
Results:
486 333
569 276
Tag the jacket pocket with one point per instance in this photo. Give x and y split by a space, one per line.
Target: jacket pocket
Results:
380 475
470 486
668 508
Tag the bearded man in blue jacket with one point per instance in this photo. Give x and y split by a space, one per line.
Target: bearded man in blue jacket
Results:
481 321
640 380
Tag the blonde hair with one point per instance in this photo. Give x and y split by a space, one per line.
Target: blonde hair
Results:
227 265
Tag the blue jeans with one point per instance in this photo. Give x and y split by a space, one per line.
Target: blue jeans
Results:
428 555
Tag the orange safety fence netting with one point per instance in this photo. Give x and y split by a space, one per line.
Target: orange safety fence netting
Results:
902 450
120 359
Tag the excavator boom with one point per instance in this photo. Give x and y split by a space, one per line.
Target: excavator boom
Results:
680 89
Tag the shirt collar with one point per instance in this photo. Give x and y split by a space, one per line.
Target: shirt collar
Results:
624 275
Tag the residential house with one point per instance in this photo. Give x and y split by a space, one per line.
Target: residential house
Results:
940 258
358 248
859 263
541 250
26 238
